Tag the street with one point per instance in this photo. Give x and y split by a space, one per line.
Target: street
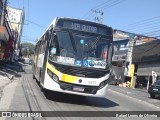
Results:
24 94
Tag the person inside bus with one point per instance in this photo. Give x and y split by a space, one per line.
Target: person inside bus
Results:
101 51
104 55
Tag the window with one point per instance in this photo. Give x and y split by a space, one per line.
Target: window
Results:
65 45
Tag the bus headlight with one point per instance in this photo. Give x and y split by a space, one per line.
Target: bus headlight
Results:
52 75
102 84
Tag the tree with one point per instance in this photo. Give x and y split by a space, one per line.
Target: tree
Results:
27 49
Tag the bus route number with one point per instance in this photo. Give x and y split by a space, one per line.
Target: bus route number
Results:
91 82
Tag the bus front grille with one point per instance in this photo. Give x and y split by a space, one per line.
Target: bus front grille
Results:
75 71
70 87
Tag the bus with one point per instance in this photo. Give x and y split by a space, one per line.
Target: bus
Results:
74 56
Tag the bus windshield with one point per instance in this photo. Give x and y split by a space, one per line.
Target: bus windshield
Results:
79 50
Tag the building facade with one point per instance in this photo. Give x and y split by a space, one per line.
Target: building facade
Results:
127 63
16 19
6 35
146 58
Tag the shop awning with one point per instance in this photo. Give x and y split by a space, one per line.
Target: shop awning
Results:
147 52
145 69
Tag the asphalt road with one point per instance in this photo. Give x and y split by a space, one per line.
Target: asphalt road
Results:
24 94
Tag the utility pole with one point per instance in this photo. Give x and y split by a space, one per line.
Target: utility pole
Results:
129 55
3 12
100 18
130 50
130 66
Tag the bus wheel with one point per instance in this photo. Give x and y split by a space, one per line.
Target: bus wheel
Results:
41 88
34 76
152 96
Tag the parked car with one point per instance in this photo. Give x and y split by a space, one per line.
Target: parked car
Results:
26 60
30 61
154 90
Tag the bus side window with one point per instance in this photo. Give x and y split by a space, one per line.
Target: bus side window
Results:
37 48
43 47
54 47
54 44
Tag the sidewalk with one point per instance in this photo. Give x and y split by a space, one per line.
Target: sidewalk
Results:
8 71
138 94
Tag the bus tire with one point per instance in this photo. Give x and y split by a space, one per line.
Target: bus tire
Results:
152 96
34 76
42 88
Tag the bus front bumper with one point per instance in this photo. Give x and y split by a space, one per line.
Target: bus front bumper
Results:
69 88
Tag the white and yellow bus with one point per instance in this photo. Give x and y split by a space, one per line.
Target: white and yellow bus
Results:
74 56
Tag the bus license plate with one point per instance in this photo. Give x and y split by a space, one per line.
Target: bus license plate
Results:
77 88
155 89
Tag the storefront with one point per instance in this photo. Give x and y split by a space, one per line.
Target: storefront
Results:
119 58
4 38
2 49
147 59
6 42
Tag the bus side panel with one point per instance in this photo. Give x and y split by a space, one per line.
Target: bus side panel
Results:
45 62
36 55
40 66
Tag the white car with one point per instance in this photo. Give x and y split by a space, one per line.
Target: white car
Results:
26 60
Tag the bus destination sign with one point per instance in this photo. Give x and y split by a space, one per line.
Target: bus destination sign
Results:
86 28
81 27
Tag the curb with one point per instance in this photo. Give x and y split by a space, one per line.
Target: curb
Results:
145 102
12 76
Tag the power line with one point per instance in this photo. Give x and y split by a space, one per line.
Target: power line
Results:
103 5
36 24
108 4
146 29
143 28
144 24
113 4
152 32
141 22
100 5
91 15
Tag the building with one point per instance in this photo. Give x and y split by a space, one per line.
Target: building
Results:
125 64
146 58
16 19
119 58
121 46
6 35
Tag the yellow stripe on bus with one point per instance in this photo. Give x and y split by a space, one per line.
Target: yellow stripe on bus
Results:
51 68
64 77
68 78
